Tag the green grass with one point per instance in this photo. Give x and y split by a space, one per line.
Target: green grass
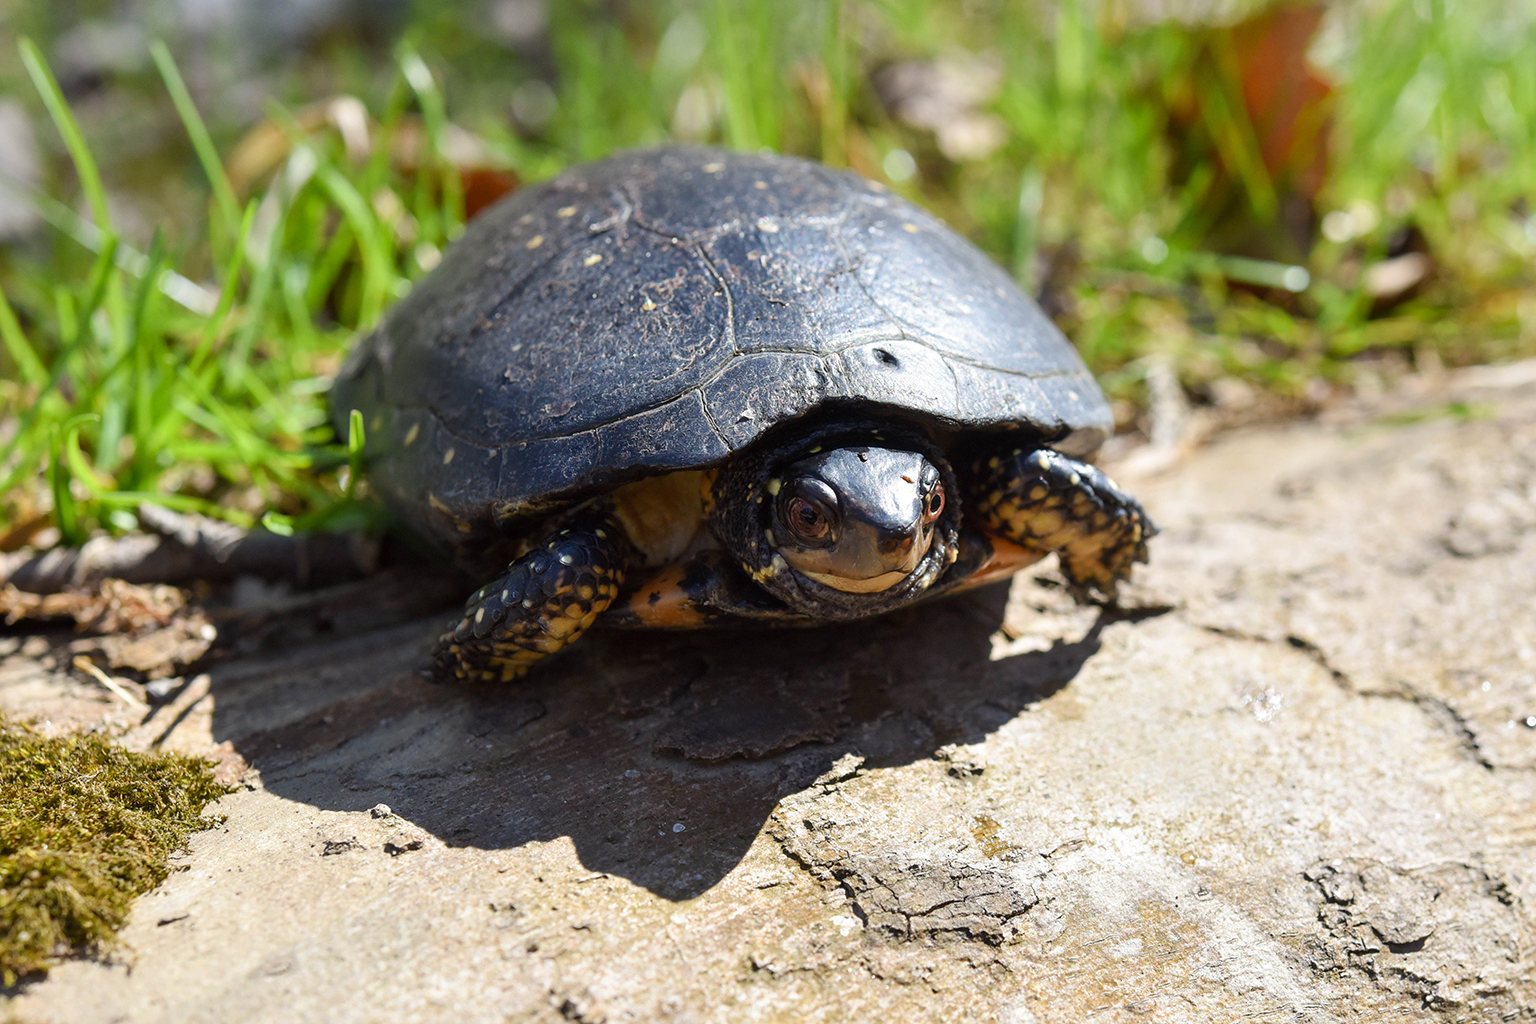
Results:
85 826
191 369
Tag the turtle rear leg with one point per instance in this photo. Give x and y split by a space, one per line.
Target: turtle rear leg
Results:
1043 500
546 600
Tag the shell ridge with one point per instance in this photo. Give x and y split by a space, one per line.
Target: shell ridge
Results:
624 215
730 338
639 218
727 228
697 241
523 441
855 265
486 319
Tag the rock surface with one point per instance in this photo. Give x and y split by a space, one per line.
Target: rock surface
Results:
1292 779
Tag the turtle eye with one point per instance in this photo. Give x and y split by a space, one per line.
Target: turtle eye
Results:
933 505
808 507
807 519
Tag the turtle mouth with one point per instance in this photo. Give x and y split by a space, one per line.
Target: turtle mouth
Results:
871 585
835 597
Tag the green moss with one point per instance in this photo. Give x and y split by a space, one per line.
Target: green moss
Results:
85 826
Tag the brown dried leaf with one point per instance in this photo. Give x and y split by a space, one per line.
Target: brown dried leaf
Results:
151 630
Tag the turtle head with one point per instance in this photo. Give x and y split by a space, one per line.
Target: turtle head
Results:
848 522
857 519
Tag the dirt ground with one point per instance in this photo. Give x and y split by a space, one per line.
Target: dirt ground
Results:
1292 778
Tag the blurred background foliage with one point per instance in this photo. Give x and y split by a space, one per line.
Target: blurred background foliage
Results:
1259 208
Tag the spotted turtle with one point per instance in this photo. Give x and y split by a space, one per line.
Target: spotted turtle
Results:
685 386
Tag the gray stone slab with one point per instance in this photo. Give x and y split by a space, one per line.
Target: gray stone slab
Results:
1293 780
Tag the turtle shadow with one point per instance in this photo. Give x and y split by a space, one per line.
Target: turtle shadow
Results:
660 756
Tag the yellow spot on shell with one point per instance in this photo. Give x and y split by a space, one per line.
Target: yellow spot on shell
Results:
909 228
774 485
714 168
760 184
592 260
647 305
567 211
535 241
447 456
413 433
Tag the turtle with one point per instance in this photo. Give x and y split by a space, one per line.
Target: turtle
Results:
683 387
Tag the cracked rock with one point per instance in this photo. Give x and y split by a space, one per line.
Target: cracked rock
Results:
952 900
1297 786
1447 934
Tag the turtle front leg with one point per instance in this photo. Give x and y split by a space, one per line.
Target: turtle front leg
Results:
1045 501
546 600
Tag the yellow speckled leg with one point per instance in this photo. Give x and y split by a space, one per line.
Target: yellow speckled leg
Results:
546 600
1043 500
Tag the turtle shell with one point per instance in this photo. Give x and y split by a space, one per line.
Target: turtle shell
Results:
662 309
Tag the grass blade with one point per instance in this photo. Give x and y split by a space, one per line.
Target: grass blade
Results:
197 131
22 354
58 109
